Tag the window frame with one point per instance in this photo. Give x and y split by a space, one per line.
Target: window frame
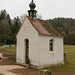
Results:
51 45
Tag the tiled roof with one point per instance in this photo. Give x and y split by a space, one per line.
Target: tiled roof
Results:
44 27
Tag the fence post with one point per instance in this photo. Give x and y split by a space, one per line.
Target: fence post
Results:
65 59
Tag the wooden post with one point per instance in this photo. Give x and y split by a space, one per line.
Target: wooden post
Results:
65 59
0 58
44 72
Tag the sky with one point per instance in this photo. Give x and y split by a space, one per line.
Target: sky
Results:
48 9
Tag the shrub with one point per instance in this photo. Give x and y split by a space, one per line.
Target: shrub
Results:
27 61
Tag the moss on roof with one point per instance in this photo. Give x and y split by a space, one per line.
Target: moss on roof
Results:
45 27
50 28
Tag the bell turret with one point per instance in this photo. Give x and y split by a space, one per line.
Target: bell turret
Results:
32 12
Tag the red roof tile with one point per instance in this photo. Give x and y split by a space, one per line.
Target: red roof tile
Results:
39 27
44 27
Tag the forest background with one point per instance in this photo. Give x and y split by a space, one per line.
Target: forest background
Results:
9 28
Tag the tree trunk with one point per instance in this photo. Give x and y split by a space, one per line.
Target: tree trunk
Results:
4 41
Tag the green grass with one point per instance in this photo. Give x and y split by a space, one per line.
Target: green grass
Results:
69 66
10 49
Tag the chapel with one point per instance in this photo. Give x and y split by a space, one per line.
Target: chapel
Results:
39 41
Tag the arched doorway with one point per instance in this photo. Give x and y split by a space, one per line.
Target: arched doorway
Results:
27 49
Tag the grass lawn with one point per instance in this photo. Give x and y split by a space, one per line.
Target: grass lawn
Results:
10 49
70 64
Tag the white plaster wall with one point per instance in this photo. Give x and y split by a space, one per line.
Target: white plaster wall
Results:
39 53
27 31
47 57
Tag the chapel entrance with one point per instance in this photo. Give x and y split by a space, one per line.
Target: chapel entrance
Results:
27 49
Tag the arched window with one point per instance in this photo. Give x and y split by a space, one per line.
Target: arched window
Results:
51 45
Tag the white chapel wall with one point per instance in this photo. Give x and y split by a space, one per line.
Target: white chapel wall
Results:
32 35
47 57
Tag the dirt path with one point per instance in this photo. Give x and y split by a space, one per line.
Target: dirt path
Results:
5 69
25 71
7 63
7 58
35 72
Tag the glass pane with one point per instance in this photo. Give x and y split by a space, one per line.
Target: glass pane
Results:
51 48
51 45
51 41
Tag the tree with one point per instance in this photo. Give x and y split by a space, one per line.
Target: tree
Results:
8 19
5 24
16 24
70 39
73 27
8 27
66 27
22 17
3 14
5 31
